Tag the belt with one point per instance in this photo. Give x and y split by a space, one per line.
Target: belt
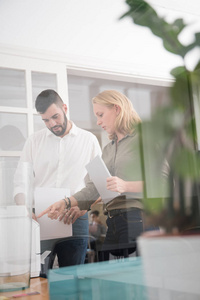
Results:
115 212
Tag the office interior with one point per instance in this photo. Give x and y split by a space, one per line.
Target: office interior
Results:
80 48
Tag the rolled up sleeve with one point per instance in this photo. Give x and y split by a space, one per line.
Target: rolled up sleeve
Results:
87 196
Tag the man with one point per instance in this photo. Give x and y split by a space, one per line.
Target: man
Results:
59 154
97 232
96 228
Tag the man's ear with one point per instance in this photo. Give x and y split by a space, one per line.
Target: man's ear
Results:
65 108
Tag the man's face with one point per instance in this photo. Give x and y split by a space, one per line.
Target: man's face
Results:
55 119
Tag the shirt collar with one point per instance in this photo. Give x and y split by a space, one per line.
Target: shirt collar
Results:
129 134
73 130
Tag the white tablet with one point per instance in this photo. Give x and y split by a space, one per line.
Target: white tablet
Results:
98 173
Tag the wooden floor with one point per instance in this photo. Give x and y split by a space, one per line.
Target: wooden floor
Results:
38 284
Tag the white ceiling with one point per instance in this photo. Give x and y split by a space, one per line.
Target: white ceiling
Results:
89 32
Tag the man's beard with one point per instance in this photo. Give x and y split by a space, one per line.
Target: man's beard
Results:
63 126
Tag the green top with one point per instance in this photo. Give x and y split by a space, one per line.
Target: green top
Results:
122 160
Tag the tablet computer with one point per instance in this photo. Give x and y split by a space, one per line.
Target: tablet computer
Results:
98 173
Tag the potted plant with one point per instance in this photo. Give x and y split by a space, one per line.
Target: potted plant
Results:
169 139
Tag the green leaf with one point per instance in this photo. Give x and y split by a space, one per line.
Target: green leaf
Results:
186 164
178 71
153 206
197 37
178 25
144 15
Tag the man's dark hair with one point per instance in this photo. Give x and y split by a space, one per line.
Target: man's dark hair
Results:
45 99
95 212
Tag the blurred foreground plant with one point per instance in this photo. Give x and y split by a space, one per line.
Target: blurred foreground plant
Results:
170 136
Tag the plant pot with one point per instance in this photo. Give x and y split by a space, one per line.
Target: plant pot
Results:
171 265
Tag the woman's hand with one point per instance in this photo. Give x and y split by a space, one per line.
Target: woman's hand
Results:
54 211
116 184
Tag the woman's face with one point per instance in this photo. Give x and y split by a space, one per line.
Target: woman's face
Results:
106 116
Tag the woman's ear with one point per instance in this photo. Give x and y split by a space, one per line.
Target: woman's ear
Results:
118 109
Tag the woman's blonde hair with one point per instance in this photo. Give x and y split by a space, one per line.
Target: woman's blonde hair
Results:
127 119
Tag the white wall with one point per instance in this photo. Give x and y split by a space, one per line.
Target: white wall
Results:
88 33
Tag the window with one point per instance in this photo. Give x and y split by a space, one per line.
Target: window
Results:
22 79
144 97
19 86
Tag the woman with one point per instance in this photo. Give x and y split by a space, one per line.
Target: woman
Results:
116 115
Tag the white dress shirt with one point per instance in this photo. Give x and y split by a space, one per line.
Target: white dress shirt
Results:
59 162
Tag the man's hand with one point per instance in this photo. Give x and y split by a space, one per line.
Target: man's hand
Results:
54 211
20 199
34 217
70 216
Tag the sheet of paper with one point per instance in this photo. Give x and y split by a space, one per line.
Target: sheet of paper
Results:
50 229
98 173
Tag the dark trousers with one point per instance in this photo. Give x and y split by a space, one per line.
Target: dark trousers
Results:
72 253
123 230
